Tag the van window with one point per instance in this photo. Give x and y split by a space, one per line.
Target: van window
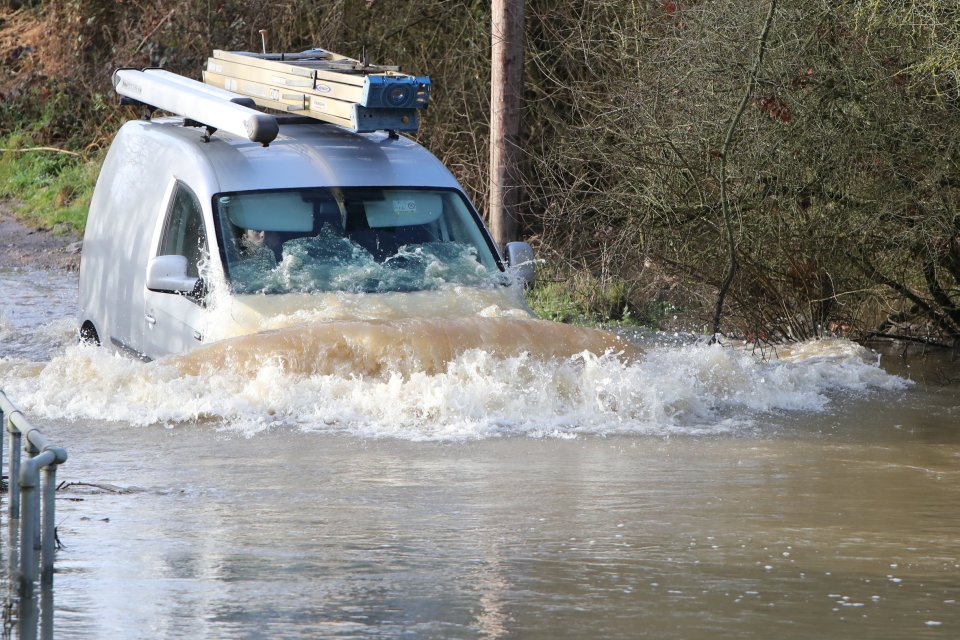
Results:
352 239
183 232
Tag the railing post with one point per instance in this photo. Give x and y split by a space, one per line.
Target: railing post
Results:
3 427
30 515
34 505
32 522
48 525
13 507
14 471
28 533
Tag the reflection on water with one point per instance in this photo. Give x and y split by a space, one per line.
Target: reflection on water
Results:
34 616
685 492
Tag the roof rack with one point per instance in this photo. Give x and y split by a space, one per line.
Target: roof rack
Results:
324 85
315 83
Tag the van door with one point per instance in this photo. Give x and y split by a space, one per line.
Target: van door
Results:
173 320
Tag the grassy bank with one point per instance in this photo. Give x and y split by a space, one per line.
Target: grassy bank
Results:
49 187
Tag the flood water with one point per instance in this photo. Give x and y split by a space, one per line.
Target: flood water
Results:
700 492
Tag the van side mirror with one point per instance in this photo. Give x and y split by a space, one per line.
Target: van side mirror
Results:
520 261
169 273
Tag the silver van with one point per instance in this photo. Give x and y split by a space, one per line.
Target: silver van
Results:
176 214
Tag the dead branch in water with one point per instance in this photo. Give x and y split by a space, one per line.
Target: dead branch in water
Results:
108 488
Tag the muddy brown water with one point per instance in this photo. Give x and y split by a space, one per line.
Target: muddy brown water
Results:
703 493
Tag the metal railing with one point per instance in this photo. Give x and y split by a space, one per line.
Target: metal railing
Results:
32 487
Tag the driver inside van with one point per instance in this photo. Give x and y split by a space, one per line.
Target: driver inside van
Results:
262 245
256 251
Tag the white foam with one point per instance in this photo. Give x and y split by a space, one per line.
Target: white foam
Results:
692 390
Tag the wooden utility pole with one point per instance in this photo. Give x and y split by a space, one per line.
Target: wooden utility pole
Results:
506 92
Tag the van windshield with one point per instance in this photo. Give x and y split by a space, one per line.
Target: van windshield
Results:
352 240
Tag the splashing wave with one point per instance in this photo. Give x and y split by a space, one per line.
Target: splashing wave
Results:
694 389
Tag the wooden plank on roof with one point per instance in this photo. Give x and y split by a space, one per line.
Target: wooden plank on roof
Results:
324 85
336 90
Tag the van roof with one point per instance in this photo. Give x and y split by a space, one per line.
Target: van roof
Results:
306 155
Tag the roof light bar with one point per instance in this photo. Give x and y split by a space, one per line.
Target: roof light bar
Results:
211 107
